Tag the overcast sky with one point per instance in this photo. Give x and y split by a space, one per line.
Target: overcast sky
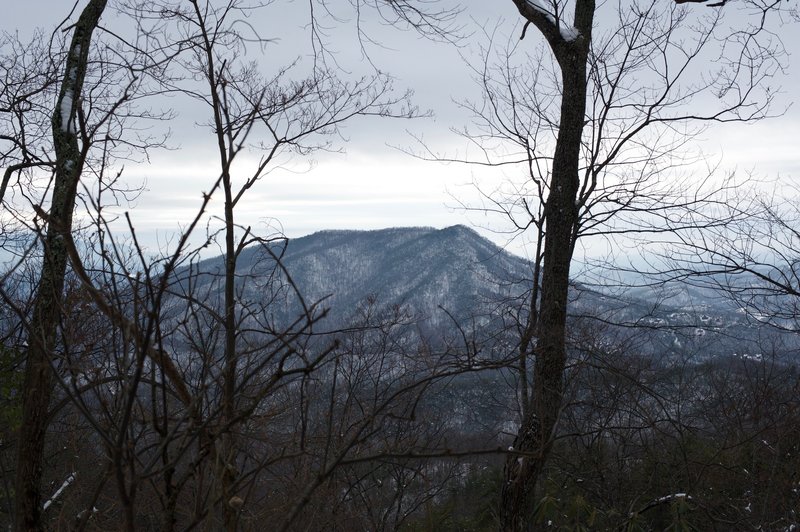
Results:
373 184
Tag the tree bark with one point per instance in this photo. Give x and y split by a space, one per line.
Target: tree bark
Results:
533 441
42 332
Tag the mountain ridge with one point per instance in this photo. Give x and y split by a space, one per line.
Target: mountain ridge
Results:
422 268
441 279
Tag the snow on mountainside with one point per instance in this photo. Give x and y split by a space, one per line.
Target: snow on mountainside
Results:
421 269
437 275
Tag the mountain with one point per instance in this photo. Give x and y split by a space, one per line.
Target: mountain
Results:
438 276
424 270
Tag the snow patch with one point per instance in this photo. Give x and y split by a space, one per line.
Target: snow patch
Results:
66 109
567 31
69 94
83 513
666 498
70 479
537 6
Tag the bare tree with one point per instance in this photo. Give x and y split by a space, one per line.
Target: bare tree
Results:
752 260
599 122
45 319
171 399
84 92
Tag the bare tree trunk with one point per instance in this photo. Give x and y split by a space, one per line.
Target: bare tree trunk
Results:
47 304
222 130
229 384
561 218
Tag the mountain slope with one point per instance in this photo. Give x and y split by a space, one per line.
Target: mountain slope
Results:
419 268
439 275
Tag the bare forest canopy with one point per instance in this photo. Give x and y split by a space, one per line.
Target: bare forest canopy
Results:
171 360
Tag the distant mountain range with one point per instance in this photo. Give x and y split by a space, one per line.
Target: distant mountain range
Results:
442 276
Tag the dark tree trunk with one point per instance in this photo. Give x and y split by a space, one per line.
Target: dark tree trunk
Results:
229 387
533 440
47 313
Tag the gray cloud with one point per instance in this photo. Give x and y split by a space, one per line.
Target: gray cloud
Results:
375 185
